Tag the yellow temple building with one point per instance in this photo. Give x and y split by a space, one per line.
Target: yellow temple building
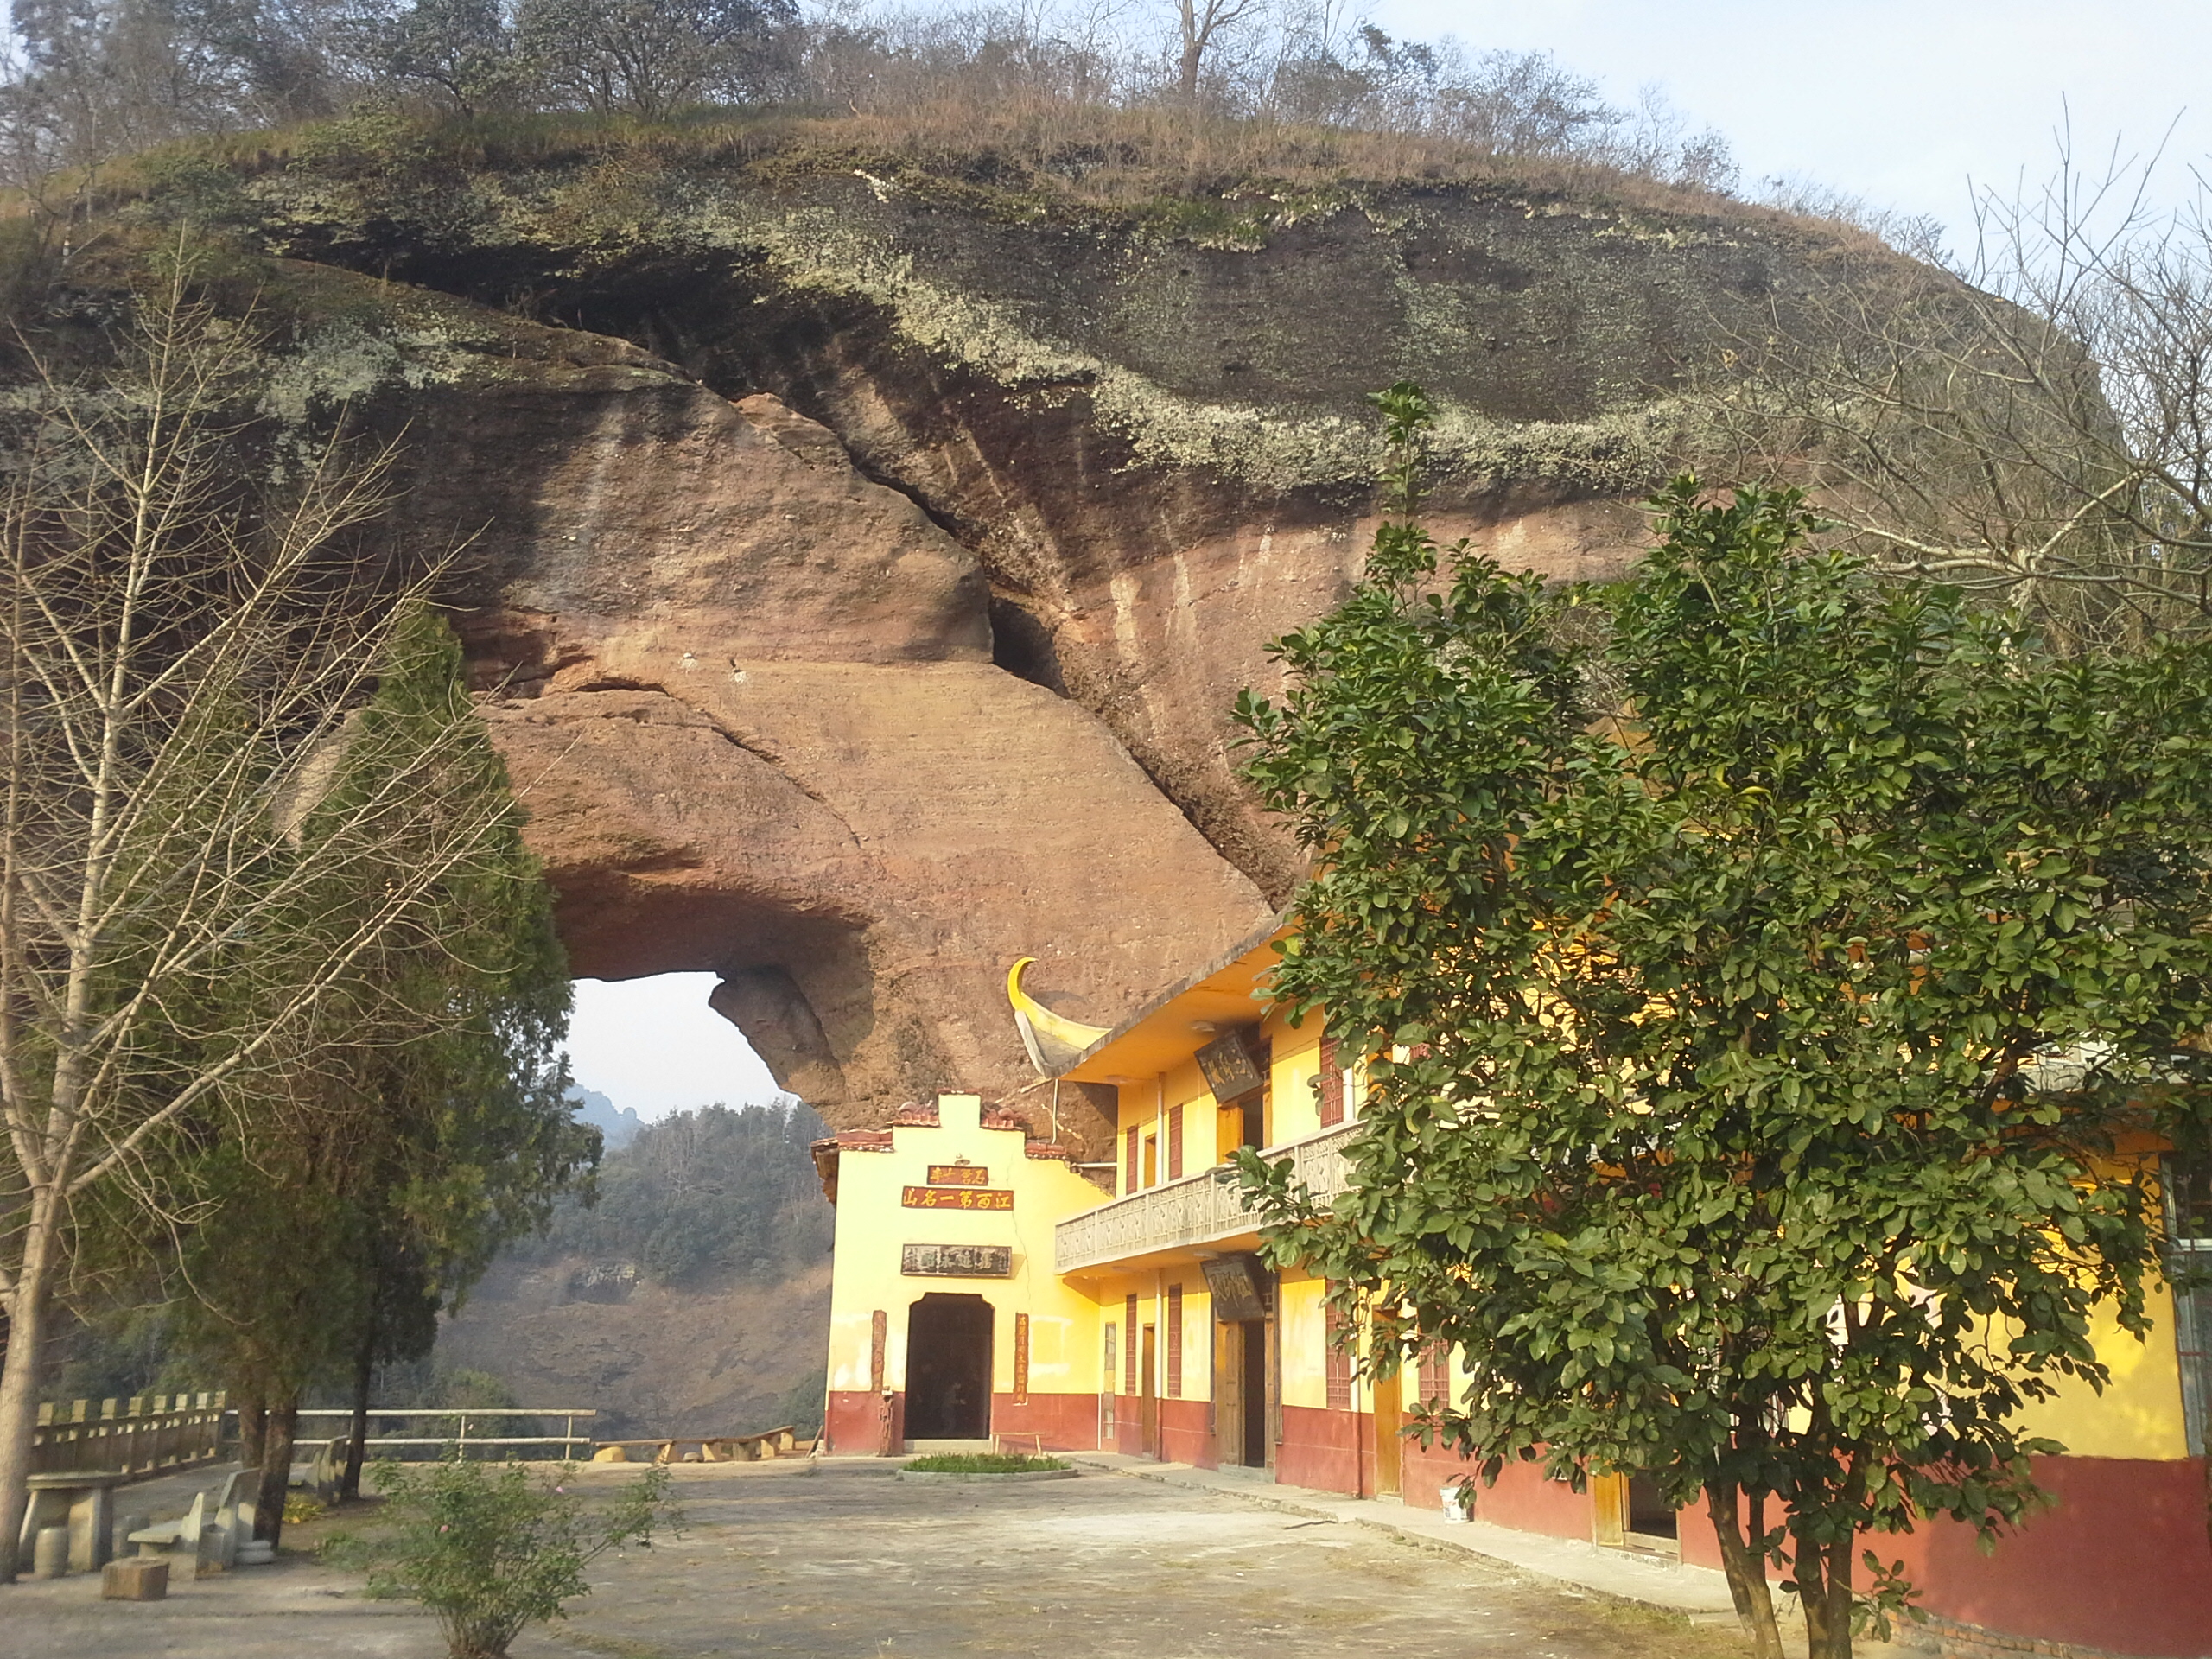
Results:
988 1290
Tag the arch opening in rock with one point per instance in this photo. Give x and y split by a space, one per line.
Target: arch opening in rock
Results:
654 1045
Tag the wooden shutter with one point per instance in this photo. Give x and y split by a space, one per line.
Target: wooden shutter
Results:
1175 1339
1174 1143
1129 1352
1436 1374
1129 1185
1336 1362
1331 1085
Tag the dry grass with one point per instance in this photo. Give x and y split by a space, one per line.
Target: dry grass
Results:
1074 156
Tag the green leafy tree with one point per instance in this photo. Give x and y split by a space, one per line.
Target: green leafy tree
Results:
1762 1052
493 1549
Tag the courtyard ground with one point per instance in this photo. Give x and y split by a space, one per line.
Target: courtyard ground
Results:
845 1560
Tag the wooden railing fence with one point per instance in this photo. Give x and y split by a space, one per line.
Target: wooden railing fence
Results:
146 1435
462 1420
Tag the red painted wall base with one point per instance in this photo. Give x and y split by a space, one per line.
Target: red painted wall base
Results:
1184 1436
1321 1449
2121 1564
852 1422
1065 1422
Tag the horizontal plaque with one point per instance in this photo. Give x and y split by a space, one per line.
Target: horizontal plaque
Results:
957 1260
956 1197
1238 1285
1226 1064
959 1175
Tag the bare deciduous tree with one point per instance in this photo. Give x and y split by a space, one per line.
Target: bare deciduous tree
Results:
2036 427
180 648
1201 24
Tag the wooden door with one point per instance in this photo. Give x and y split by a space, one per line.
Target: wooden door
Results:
1387 1445
1149 1399
1609 1510
1228 1394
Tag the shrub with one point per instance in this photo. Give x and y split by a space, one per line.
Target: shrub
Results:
492 1548
983 1463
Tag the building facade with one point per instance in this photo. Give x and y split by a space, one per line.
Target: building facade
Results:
988 1290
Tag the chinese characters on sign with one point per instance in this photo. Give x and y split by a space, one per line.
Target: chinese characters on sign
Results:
959 1175
957 1260
1226 1064
965 1198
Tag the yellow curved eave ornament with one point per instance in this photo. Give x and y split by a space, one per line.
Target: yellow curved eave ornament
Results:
1051 1040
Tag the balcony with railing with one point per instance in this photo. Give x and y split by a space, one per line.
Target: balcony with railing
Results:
1207 1208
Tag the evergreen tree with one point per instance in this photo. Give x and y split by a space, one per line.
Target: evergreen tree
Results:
430 1124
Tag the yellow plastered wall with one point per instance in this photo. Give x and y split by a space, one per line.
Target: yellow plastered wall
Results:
1150 1286
1146 1107
1302 1333
1293 1108
873 1224
2139 1413
1297 1063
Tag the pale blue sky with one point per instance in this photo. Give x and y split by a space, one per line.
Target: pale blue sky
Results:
654 1045
1899 101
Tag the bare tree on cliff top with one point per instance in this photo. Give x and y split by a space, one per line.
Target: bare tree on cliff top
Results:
2038 433
179 652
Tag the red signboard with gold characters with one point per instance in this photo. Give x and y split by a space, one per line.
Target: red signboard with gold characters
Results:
956 1197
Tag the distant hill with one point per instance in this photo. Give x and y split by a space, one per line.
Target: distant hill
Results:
618 1125
692 1297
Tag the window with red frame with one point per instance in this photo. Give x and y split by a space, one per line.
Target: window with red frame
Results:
1174 1342
1336 1361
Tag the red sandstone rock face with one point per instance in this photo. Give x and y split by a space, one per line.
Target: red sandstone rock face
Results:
748 700
856 748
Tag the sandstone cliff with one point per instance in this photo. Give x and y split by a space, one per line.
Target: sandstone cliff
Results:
865 559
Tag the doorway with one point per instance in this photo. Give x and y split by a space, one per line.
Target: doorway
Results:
1652 1523
949 1368
1240 1401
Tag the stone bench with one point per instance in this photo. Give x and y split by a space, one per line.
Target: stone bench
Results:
85 1504
201 1543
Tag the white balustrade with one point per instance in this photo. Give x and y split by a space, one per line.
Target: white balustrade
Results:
1198 1209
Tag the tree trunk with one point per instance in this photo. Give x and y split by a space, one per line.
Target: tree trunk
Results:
357 1433
253 1427
276 1468
19 1368
1823 1575
1745 1566
1194 47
